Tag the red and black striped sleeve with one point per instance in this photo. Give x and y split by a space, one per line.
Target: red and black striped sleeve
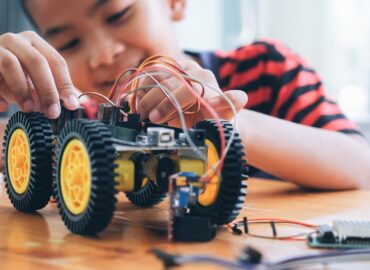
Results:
280 83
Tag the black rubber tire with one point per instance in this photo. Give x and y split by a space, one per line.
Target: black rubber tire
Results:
99 210
149 195
39 134
233 185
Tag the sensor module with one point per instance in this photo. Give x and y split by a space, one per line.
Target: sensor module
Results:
343 234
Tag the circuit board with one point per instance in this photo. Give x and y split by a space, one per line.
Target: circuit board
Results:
342 235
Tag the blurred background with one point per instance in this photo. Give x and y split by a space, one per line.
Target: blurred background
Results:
333 35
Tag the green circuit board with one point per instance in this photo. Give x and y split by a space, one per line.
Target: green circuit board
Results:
342 235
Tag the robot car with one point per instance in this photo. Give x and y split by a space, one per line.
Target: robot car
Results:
83 163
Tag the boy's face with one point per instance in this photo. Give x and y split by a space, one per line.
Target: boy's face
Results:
101 38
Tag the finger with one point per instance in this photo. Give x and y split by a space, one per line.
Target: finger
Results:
223 109
6 93
148 100
35 97
151 79
39 71
154 96
15 79
3 104
165 109
194 70
160 78
58 68
189 64
237 97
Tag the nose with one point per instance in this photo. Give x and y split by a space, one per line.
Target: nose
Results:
104 50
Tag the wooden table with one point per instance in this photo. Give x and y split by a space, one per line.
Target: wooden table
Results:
41 241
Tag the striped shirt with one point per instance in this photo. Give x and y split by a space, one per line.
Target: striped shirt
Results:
278 83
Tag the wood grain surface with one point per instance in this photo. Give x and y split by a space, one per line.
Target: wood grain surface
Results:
41 241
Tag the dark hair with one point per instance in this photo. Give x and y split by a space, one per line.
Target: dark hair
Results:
27 13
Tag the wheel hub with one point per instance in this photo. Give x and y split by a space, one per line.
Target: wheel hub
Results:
18 159
210 193
75 176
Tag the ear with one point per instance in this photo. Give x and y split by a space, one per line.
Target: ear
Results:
177 9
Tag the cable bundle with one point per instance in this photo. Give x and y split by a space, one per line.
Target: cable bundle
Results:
163 65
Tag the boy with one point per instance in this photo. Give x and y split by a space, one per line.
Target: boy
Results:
317 148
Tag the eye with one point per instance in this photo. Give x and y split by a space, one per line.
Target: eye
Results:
116 16
69 45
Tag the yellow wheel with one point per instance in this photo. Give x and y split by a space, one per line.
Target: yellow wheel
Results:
209 195
85 180
75 176
18 160
27 154
224 195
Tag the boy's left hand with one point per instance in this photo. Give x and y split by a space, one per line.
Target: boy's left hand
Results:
154 104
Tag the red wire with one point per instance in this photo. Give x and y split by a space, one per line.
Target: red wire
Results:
276 220
114 87
256 220
285 221
129 79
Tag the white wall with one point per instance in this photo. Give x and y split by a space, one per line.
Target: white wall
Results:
217 24
334 36
299 24
202 27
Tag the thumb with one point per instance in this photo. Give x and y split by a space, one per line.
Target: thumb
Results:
237 97
70 98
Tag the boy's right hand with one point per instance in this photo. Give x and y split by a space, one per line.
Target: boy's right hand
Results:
34 75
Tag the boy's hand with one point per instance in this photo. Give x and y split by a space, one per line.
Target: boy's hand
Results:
158 108
34 75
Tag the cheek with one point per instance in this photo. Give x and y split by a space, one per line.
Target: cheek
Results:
154 39
79 73
151 30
